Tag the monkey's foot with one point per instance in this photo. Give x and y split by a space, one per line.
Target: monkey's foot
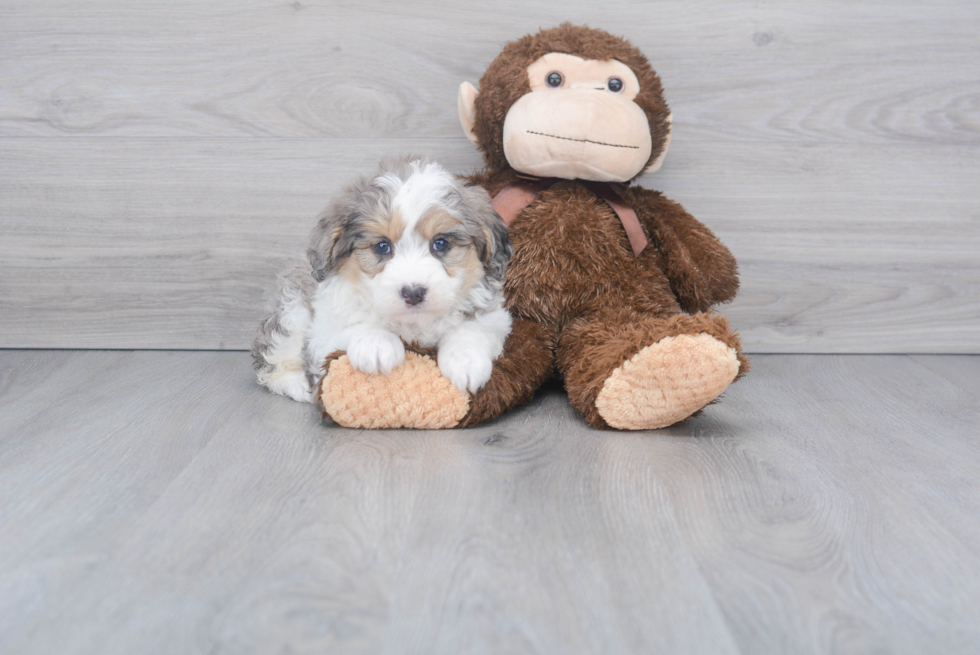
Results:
666 382
414 395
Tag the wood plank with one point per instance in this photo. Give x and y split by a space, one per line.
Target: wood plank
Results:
833 147
790 72
961 371
828 503
172 243
867 493
288 534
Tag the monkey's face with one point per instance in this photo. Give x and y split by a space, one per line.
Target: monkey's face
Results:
579 120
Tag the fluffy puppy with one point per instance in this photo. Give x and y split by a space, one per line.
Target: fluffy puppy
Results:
411 254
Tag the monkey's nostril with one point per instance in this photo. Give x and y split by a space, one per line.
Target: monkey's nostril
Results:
413 295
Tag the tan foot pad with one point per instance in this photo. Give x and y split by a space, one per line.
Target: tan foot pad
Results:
414 395
666 382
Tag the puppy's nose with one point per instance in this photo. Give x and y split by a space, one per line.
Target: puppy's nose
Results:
414 295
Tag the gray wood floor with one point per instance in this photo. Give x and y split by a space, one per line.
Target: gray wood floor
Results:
160 502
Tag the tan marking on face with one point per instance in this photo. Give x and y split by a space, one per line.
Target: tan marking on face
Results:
367 261
436 223
375 229
385 226
462 258
470 267
351 269
454 261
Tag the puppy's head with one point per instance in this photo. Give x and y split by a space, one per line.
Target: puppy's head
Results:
414 237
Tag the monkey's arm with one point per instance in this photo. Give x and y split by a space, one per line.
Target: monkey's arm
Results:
525 364
702 271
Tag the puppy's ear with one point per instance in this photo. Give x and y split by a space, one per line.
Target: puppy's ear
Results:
323 250
332 240
487 230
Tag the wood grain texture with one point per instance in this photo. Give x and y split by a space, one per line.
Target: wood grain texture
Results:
169 505
158 165
175 243
839 72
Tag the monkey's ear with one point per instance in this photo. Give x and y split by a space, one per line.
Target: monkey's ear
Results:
466 105
659 161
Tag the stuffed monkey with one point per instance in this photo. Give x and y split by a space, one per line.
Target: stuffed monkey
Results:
610 285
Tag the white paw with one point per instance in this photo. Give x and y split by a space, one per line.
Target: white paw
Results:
290 383
466 368
299 390
376 351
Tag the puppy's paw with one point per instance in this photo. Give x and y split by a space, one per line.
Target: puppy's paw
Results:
292 384
299 390
468 369
376 351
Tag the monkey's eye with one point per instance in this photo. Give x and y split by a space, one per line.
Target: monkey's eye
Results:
614 84
381 248
440 245
554 79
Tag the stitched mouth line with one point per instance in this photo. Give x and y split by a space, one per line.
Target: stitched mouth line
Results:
598 143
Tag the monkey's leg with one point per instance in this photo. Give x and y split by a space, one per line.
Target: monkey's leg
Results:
416 395
633 372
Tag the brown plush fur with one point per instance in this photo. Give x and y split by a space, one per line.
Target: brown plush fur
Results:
505 81
573 272
527 361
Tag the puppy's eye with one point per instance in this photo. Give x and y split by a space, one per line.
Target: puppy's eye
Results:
554 79
614 84
382 248
440 245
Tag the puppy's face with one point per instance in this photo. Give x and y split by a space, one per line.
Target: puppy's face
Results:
414 239
413 267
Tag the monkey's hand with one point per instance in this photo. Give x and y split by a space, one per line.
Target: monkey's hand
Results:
702 271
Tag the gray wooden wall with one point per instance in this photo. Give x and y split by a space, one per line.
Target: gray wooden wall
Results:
160 161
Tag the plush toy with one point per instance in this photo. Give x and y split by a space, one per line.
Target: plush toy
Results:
610 285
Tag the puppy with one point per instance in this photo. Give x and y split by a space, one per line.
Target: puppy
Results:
411 254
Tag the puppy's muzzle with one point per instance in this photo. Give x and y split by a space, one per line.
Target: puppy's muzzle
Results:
414 295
